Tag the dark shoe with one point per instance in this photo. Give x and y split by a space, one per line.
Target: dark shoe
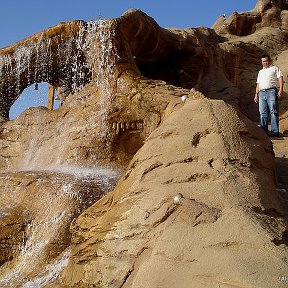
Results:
274 135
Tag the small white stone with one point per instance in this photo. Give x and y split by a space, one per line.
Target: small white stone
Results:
184 98
177 198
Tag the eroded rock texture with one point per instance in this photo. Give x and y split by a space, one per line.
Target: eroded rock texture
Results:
125 114
137 237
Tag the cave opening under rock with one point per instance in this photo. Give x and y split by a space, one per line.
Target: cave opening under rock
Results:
181 69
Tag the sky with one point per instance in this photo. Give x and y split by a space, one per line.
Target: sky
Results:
22 18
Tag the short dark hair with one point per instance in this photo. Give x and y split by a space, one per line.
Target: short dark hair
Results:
266 56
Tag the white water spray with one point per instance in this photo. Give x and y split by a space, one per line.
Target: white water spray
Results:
95 40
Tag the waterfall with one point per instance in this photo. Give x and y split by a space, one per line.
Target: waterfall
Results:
62 192
59 197
102 55
91 49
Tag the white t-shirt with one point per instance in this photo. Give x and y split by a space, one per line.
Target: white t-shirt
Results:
268 77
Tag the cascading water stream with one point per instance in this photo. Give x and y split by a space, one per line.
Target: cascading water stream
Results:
59 197
103 56
95 40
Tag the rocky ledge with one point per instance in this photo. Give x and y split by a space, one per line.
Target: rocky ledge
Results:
170 111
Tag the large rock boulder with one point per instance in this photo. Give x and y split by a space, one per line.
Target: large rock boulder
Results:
172 111
228 221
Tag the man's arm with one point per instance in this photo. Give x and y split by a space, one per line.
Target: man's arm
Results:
256 93
280 84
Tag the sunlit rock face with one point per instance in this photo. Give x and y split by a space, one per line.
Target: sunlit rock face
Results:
166 109
137 237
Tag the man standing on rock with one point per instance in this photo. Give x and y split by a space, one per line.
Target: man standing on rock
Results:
269 80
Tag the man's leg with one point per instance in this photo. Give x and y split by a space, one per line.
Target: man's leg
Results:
263 110
274 111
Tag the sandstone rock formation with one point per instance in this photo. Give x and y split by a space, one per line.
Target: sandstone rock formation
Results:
225 217
125 114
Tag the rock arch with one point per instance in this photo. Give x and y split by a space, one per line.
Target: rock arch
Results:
70 55
51 56
63 55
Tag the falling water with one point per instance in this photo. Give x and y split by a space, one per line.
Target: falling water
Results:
73 190
95 40
50 272
102 58
21 63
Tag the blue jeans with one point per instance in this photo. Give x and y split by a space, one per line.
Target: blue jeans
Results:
268 105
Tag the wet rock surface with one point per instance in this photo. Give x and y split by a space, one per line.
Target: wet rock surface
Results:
37 208
172 112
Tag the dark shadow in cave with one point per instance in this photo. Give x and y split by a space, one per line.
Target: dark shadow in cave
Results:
181 69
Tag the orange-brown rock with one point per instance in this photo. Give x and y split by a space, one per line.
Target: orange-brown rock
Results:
229 220
172 111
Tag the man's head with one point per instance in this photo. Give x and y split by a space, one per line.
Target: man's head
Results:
265 60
